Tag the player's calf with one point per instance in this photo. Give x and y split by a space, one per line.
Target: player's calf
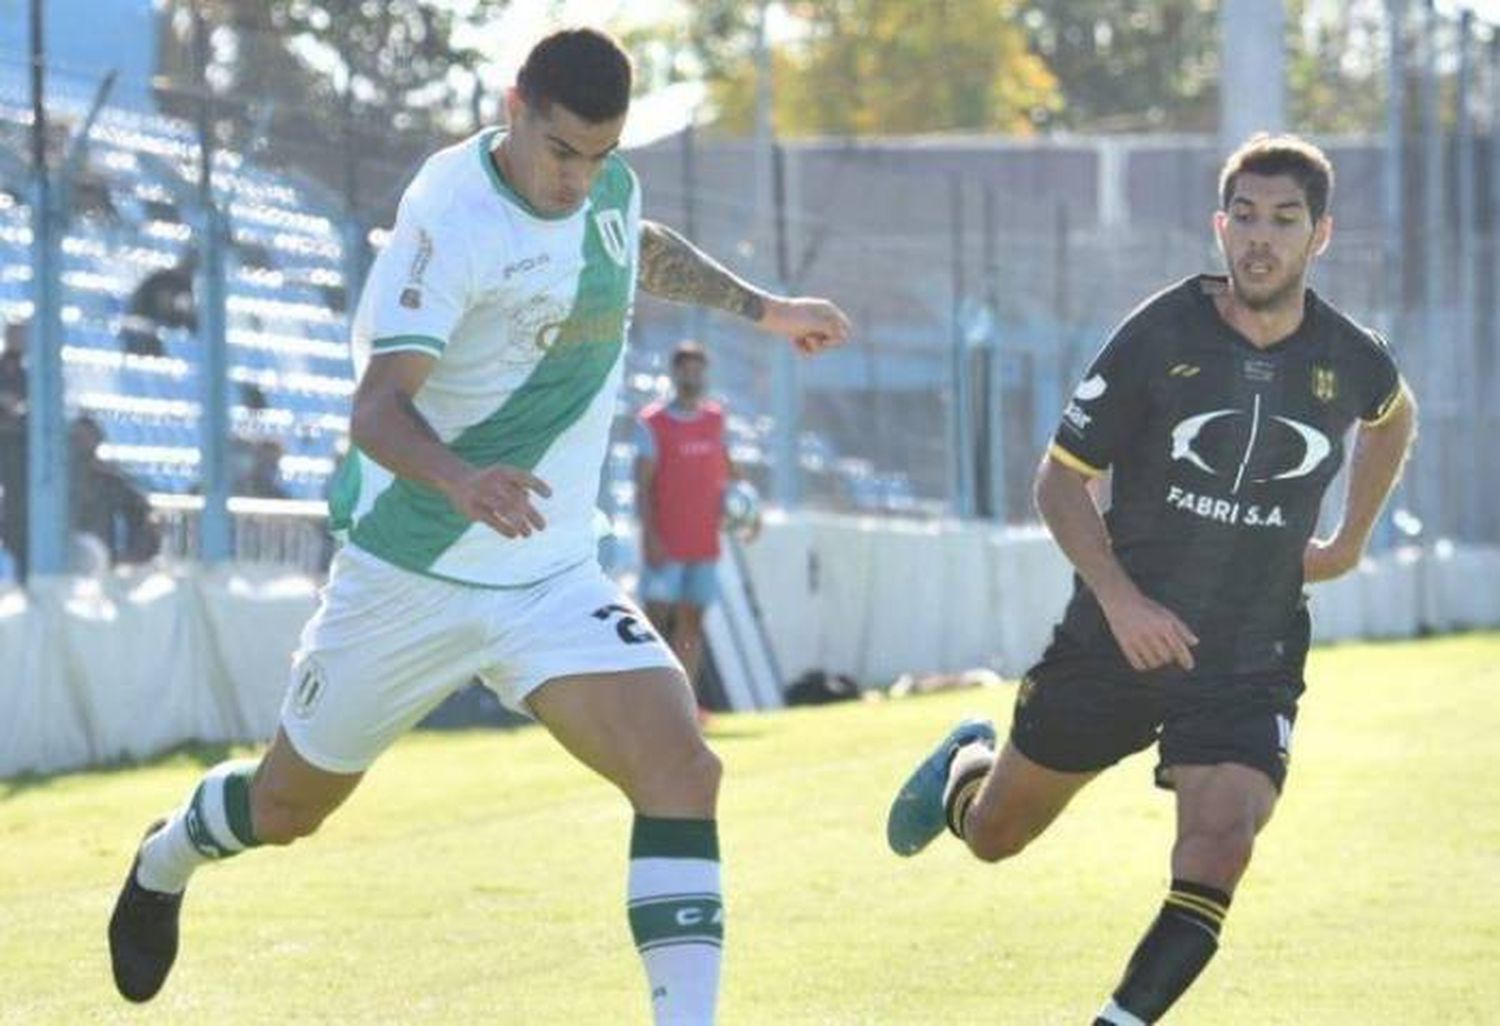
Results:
993 837
675 903
999 803
290 797
1170 956
284 814
636 729
1220 809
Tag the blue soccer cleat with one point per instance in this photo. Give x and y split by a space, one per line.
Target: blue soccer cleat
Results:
917 814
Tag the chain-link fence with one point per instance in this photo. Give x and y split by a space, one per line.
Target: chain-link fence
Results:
981 275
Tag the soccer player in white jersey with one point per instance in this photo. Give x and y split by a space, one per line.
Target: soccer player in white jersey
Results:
490 340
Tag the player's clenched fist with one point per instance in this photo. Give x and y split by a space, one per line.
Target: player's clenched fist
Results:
500 496
812 324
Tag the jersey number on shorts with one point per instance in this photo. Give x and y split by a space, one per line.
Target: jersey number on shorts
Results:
628 627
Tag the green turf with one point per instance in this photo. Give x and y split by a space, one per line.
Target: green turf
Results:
478 878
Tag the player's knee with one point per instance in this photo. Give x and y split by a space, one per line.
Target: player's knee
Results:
1217 857
702 774
685 785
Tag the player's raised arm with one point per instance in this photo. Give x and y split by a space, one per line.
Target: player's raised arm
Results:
1380 451
673 268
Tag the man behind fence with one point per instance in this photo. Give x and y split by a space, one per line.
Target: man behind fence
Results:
491 335
1220 406
682 467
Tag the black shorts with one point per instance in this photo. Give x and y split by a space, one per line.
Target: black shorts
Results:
1077 714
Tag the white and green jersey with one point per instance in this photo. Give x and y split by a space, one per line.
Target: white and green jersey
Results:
527 317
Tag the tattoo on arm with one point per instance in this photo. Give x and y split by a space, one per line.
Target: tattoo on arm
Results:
673 268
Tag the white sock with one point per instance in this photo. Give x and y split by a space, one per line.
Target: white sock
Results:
1113 1013
677 916
214 824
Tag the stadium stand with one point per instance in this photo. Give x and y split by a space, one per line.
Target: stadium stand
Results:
284 338
287 299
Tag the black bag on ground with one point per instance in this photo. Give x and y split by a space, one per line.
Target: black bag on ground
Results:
818 687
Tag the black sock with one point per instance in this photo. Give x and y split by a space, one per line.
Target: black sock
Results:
1173 952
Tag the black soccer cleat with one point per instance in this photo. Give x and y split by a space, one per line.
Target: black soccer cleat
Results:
143 935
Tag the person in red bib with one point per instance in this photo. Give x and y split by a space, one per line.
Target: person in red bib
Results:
682 468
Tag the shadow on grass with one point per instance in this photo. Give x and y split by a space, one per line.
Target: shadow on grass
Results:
201 754
717 733
470 710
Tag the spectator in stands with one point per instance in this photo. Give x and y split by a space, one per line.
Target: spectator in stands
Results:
163 299
682 468
13 446
106 503
13 370
253 397
88 192
91 199
262 478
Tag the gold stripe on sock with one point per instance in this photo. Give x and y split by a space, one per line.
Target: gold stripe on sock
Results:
1197 904
963 799
1221 907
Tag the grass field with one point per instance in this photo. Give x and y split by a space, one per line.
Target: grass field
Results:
478 877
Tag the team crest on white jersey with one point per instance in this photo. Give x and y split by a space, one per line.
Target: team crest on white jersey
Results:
611 225
311 684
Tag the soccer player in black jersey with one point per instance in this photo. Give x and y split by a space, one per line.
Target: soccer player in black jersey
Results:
1220 410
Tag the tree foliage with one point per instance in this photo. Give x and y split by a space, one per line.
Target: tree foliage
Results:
1013 66
1123 65
881 67
1336 66
392 63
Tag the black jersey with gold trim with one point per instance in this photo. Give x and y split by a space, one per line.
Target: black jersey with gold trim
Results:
1219 455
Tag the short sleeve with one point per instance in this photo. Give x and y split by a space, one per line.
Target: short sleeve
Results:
645 439
419 284
1107 407
1381 383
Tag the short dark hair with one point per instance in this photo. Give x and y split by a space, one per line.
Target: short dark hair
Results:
687 350
1266 154
583 69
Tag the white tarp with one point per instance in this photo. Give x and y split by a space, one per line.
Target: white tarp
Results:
876 598
94 671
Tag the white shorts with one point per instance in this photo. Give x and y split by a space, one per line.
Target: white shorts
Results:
386 646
